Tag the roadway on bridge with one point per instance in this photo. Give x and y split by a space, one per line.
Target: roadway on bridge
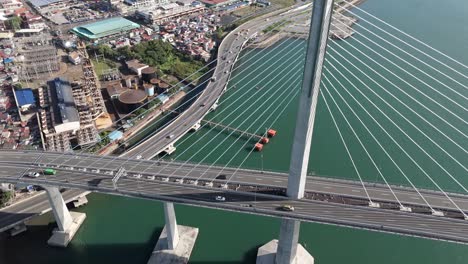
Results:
306 210
246 177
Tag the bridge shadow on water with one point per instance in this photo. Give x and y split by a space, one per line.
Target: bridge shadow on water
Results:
31 247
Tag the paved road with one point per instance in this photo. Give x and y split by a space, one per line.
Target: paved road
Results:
228 51
25 210
189 171
385 220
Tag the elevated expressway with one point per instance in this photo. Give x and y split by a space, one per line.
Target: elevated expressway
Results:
228 52
328 201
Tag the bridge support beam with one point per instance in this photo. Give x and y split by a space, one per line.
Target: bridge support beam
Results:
170 149
68 222
286 250
196 126
175 243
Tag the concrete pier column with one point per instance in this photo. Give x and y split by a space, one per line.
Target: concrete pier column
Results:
171 226
67 222
286 250
175 243
288 239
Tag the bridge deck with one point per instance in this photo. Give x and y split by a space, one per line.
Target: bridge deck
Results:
12 164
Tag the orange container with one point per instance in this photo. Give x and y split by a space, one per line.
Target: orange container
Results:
258 146
271 132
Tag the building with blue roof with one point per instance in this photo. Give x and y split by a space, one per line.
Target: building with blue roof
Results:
112 27
24 99
115 135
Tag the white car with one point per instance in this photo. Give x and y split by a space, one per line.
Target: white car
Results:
138 175
96 170
170 136
220 198
138 157
150 177
165 179
179 181
33 174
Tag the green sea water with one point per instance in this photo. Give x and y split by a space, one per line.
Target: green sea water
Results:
124 230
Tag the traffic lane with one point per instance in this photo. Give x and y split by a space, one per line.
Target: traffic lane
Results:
351 189
372 219
379 193
239 175
308 210
386 221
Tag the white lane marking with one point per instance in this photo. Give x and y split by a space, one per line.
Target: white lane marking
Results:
258 179
356 191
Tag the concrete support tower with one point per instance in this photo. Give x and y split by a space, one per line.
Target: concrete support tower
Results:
287 250
67 222
176 242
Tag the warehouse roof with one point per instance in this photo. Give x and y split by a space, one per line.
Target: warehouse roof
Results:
105 28
63 101
41 3
24 97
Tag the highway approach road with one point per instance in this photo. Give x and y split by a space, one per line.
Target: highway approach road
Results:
228 51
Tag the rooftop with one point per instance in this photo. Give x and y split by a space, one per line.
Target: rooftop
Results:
105 28
132 96
64 101
41 3
24 97
213 2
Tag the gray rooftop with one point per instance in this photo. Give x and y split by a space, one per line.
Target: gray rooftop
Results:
65 104
41 3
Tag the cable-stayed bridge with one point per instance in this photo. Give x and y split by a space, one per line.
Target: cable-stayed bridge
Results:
366 82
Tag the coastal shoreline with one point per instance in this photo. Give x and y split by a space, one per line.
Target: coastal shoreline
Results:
338 33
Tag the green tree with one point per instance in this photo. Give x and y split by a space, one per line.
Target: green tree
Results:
219 33
5 197
15 22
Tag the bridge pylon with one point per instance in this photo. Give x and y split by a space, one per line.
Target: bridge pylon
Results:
287 250
68 222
